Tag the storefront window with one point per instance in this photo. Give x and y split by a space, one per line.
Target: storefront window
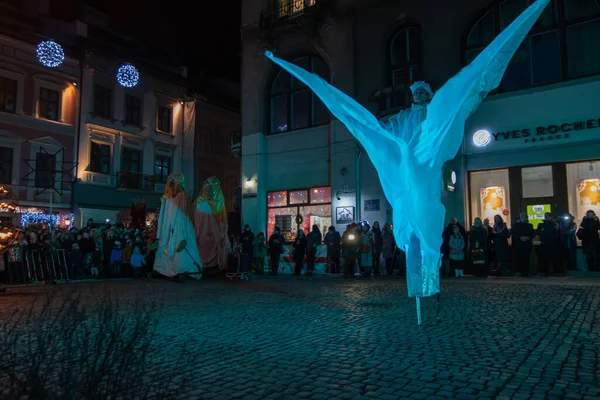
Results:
490 195
299 197
289 219
320 195
583 185
537 182
277 199
285 219
316 215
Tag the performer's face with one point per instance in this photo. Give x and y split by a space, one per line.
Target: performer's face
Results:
420 97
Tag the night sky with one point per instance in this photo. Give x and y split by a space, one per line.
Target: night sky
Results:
206 40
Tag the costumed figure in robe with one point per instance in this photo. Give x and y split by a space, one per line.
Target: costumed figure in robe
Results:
177 252
210 224
410 149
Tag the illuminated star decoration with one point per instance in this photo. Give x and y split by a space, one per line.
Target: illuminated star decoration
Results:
128 75
50 53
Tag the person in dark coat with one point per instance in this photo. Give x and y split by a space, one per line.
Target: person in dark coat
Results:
548 233
247 248
314 240
523 234
300 245
588 234
446 234
377 247
351 242
77 270
568 243
275 249
478 241
333 241
500 233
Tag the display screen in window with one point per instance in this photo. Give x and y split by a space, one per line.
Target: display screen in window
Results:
320 195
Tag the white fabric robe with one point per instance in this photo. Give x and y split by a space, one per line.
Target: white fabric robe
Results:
174 225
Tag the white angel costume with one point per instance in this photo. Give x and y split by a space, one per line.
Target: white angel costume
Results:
410 149
175 226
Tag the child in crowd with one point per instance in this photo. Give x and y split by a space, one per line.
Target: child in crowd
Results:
96 261
116 259
137 260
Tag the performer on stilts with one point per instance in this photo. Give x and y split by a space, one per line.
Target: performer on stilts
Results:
210 224
177 252
410 149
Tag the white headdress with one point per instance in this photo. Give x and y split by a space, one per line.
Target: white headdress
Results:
422 85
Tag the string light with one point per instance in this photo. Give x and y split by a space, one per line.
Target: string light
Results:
50 53
128 75
42 218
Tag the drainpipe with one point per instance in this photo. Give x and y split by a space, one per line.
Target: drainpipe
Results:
358 200
182 104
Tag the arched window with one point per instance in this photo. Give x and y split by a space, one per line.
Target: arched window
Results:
405 58
562 45
292 104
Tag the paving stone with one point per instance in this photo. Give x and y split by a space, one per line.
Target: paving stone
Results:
259 339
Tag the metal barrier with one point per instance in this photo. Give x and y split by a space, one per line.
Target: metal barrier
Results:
46 265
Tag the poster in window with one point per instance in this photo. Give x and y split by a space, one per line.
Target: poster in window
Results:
492 201
588 196
535 213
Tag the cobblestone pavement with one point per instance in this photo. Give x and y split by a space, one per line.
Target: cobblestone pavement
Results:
329 338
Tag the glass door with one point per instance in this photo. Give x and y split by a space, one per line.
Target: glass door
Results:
537 193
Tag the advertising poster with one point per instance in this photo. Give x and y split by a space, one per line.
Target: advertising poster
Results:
535 213
492 201
588 196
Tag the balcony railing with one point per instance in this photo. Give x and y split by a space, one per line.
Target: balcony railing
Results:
280 11
135 181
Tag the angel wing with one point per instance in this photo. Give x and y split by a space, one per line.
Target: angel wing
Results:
443 130
384 149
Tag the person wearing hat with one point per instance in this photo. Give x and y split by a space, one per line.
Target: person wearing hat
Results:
116 259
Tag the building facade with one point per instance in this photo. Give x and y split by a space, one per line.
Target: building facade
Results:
131 139
218 139
38 120
108 142
373 53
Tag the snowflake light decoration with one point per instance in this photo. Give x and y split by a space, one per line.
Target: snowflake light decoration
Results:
50 53
128 75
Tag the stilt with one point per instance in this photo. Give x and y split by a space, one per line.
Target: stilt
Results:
437 310
419 322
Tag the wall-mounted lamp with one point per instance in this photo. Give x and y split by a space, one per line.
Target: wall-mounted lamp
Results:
67 222
250 182
181 102
74 83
